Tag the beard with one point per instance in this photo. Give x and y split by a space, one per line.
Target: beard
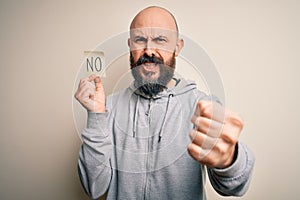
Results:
147 84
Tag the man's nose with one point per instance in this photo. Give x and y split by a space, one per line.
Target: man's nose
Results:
150 49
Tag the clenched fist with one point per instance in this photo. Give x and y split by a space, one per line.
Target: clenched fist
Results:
215 136
90 94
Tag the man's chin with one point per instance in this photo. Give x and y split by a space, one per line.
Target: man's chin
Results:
151 89
150 79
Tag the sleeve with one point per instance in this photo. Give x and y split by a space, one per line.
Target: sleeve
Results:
234 180
94 166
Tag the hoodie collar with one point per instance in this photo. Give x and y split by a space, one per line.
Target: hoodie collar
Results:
182 86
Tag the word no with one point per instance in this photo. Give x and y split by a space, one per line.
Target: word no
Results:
93 64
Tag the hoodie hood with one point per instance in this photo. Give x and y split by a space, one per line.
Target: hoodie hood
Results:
182 86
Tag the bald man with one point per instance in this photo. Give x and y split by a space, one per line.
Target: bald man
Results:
154 139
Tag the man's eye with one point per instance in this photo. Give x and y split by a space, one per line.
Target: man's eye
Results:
160 40
140 40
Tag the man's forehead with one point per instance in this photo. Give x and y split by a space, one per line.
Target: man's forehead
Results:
153 32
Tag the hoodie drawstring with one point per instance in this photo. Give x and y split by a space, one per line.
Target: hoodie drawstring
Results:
135 115
164 119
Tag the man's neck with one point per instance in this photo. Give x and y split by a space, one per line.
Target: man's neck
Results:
171 84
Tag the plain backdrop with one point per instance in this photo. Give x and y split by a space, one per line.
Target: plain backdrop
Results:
254 44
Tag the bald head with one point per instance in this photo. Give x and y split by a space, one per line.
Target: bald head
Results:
154 17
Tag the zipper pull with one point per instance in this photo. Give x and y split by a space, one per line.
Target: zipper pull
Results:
149 107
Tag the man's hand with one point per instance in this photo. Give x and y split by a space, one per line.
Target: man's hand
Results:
90 94
216 134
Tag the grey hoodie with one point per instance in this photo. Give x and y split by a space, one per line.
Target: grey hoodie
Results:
138 149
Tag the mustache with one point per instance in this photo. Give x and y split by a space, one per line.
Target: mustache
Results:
147 59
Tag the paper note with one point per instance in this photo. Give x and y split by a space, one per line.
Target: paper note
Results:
94 62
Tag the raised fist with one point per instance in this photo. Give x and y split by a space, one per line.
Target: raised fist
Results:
216 134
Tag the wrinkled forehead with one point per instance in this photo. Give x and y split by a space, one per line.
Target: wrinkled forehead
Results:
153 32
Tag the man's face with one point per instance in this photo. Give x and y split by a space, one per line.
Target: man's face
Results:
152 57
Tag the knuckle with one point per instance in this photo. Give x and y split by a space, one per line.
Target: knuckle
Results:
192 134
196 120
236 120
85 84
190 146
212 162
201 105
221 149
84 101
77 95
204 108
230 138
206 111
82 80
209 160
240 122
191 150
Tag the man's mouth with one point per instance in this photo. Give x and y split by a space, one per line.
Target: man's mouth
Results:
150 66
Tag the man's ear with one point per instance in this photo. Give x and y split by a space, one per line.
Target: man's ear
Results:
179 46
128 42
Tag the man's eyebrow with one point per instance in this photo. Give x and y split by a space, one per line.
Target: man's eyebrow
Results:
153 37
139 36
161 36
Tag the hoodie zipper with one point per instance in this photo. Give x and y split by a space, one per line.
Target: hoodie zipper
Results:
147 150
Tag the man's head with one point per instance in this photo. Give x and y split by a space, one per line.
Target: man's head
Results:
154 44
